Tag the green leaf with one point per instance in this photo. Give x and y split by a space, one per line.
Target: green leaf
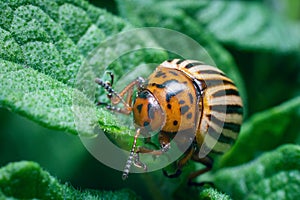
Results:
169 14
249 26
43 45
265 131
274 175
241 24
27 180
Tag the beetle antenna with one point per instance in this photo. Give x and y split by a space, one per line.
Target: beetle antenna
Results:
110 90
111 78
131 156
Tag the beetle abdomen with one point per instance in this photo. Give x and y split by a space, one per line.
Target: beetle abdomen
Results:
221 105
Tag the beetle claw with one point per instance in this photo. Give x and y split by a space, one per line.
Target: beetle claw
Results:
138 163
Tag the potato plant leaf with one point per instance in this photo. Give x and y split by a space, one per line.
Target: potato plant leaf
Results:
27 180
241 24
249 26
43 46
273 175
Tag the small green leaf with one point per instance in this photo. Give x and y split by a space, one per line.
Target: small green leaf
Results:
213 194
264 131
274 175
27 180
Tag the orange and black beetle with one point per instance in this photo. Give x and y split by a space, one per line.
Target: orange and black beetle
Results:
187 94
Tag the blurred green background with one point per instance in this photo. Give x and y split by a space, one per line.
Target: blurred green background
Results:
271 77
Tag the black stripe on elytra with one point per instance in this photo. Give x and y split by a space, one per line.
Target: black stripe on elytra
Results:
206 150
219 136
221 93
232 126
210 71
179 61
139 107
226 125
190 65
230 109
150 111
216 82
215 120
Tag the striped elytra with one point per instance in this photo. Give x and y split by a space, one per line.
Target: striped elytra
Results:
185 96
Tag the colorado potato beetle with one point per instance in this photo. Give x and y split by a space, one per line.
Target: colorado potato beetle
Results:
198 98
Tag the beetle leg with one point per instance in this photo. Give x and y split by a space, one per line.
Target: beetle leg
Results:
116 98
181 163
163 149
208 162
110 83
125 110
132 155
138 163
139 150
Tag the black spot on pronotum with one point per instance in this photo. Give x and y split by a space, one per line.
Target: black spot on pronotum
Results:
158 85
159 74
184 109
139 107
181 102
191 98
175 122
174 73
169 106
189 115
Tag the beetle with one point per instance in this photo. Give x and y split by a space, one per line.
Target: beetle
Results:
186 95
